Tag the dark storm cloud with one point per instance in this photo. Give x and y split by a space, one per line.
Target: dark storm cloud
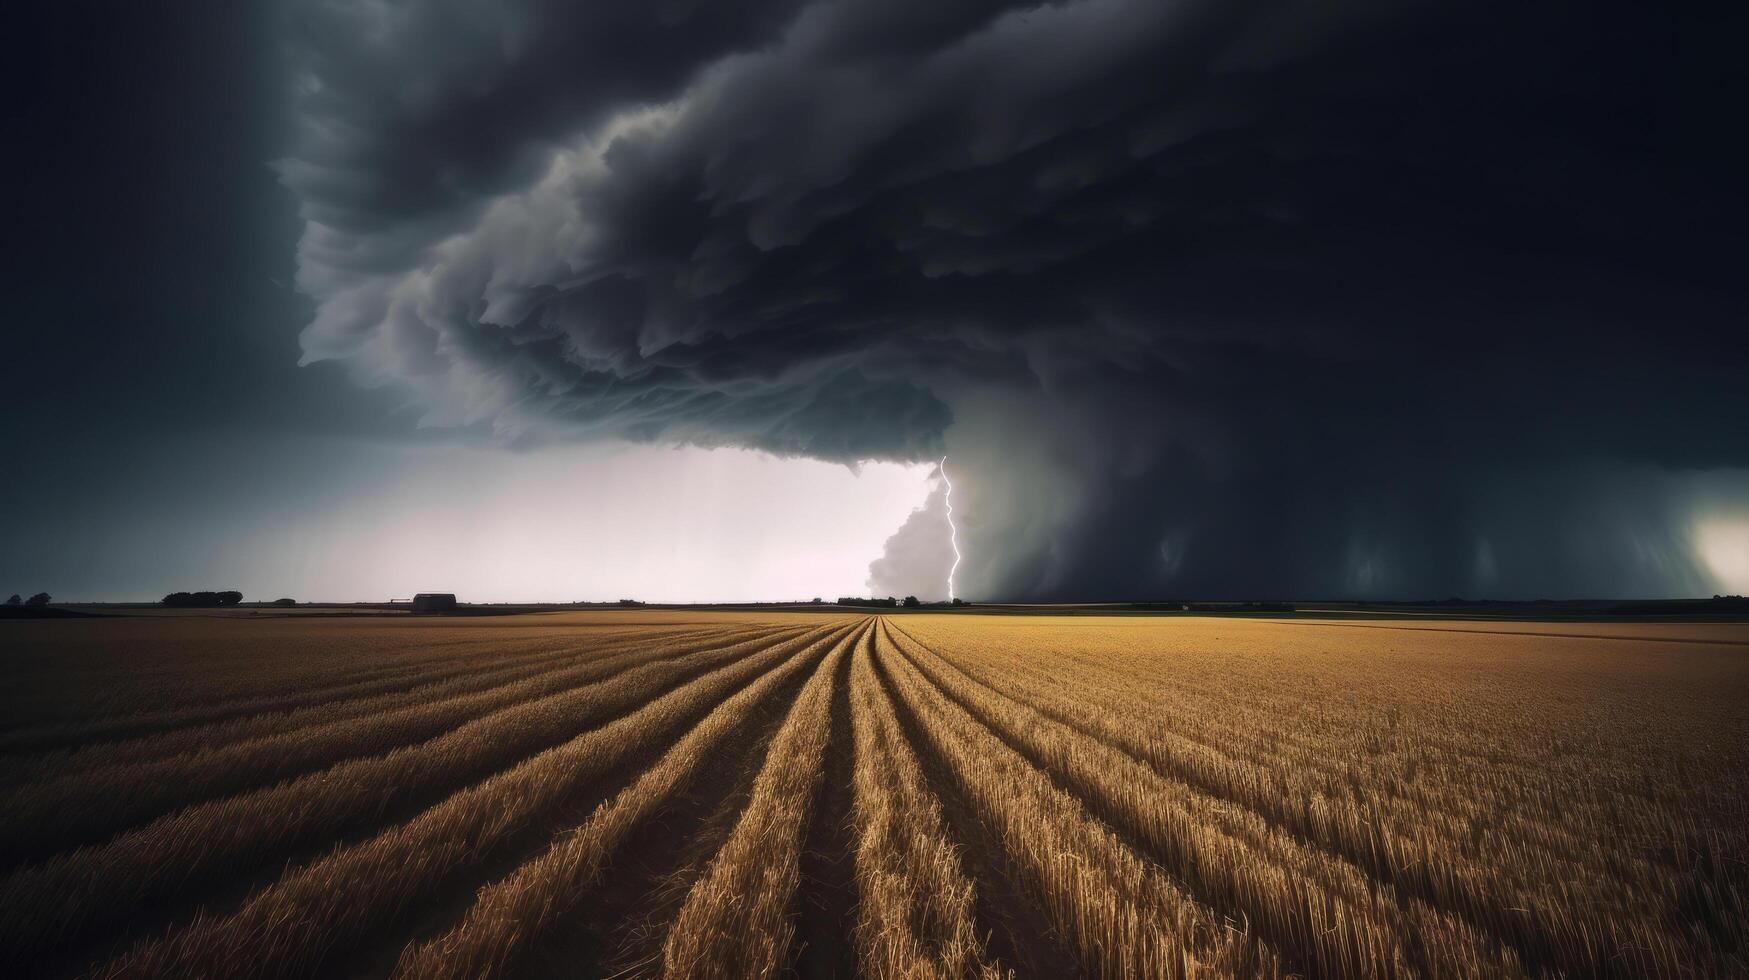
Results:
1202 296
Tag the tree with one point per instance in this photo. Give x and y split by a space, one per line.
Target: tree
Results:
911 602
15 600
285 602
958 601
40 599
200 600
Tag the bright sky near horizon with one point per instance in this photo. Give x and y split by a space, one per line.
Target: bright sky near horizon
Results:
1723 544
564 523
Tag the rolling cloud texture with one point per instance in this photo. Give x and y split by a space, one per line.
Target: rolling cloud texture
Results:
919 555
1330 298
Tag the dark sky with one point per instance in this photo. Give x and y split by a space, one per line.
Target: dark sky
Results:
150 375
1202 299
151 228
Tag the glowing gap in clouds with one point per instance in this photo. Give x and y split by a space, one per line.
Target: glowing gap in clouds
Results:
953 533
1724 547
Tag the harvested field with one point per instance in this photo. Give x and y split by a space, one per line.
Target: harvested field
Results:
699 794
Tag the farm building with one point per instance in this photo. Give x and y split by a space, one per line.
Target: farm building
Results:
433 602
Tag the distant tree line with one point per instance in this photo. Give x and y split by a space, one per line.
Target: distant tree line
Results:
40 599
1682 607
890 602
1203 607
202 600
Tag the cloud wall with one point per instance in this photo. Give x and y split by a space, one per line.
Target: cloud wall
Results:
1204 298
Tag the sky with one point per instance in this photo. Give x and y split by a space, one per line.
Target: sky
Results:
546 300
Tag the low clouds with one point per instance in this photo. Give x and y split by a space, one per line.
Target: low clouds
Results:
918 557
1201 297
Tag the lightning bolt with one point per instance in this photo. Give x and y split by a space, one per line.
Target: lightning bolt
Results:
953 533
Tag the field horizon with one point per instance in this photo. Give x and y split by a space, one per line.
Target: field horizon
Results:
1716 608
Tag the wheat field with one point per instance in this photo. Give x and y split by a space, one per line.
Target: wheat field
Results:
705 794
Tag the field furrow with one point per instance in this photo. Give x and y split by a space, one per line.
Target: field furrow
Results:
313 913
149 723
184 852
916 918
493 670
1124 917
1018 930
148 699
1557 914
82 808
736 921
1461 748
513 914
826 897
1339 922
1430 775
921 795
624 917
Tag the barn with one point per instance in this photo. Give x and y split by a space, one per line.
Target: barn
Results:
434 602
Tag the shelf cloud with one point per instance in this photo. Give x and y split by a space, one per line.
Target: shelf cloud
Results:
1202 297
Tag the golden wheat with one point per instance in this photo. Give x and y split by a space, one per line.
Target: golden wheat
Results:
514 912
83 806
1008 795
734 922
287 929
1123 914
218 838
915 920
176 735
